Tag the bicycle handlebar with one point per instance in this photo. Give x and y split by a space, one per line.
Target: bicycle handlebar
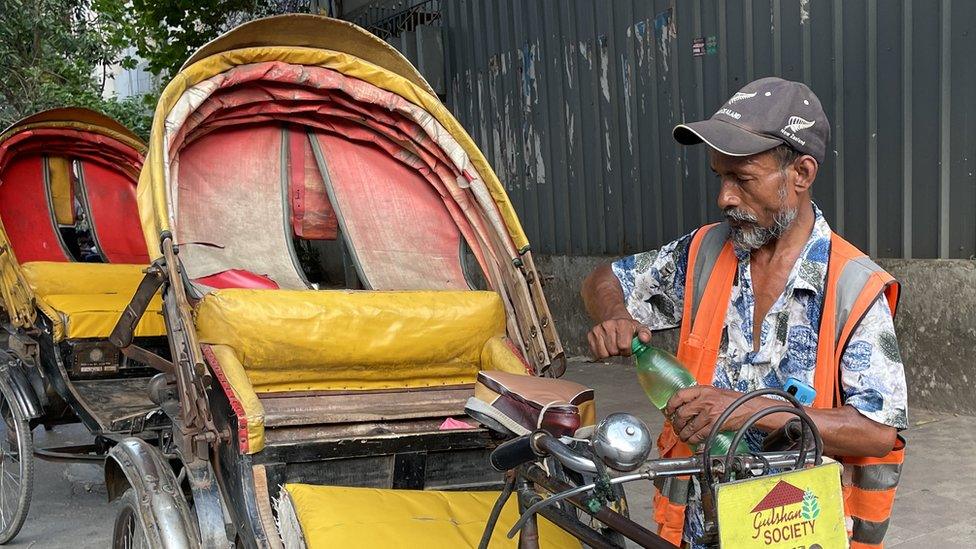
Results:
539 444
513 453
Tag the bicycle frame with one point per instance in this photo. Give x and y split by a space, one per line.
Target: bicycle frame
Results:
533 478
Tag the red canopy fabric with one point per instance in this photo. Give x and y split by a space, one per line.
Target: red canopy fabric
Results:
108 170
23 208
397 194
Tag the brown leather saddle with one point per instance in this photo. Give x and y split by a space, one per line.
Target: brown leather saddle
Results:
520 404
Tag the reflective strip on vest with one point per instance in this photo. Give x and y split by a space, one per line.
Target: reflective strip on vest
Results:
674 488
871 533
876 477
852 279
708 251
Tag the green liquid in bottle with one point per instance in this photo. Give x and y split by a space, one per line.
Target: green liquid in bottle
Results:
661 375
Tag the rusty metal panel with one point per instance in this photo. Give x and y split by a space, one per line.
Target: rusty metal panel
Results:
573 102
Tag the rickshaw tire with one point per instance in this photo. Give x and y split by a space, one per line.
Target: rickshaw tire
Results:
128 510
25 452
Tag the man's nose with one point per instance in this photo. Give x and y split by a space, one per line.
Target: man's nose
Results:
727 197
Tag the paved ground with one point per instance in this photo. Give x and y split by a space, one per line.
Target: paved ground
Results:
932 511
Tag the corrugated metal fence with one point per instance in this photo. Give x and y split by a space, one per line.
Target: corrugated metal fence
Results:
573 102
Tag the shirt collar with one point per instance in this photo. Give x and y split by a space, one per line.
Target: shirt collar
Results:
810 271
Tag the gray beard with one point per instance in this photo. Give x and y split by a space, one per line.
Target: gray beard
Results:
747 234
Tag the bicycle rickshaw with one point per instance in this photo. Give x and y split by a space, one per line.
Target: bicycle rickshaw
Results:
338 265
354 319
71 254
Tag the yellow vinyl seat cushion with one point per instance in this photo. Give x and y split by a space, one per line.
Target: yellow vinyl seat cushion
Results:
333 516
306 340
85 300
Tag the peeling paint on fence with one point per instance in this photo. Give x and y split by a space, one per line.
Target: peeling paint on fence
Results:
573 101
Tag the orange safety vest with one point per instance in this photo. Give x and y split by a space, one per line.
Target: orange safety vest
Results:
853 284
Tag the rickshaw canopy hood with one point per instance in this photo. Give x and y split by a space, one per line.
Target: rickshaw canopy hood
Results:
318 42
47 143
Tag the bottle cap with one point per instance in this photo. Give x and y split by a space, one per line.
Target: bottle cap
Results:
637 346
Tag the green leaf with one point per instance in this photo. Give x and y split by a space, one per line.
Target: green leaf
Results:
810 509
55 53
889 346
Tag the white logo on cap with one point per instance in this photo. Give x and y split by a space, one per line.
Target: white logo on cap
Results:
795 124
739 96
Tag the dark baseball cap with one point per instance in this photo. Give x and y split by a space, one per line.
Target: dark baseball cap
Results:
762 115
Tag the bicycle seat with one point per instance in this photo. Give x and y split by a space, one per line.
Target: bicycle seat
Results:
521 404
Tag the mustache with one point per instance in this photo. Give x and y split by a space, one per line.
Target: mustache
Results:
740 216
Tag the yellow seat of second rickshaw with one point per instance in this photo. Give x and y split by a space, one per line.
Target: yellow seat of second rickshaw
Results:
307 340
334 516
85 300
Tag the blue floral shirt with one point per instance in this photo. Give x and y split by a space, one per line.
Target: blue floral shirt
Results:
872 375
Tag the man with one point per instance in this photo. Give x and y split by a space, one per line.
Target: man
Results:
767 295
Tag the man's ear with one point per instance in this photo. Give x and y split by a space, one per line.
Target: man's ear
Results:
806 168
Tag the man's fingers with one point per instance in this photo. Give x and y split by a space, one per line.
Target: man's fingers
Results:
700 433
686 413
624 337
698 424
682 416
600 350
592 341
682 397
614 337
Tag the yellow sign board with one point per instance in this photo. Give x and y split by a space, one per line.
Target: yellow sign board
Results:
797 510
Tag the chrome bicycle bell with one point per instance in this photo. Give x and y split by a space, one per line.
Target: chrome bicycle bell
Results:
622 441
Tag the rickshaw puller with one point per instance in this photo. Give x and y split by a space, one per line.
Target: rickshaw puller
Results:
769 294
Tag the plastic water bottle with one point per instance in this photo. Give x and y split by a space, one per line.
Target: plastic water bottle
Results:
661 375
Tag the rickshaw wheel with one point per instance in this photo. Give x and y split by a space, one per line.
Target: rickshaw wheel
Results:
130 532
16 465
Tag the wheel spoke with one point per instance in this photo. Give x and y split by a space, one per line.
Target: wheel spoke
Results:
14 479
3 506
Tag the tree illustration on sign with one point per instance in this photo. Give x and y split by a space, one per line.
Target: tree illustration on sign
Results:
811 507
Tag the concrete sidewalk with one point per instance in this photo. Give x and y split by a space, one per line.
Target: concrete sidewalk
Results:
932 509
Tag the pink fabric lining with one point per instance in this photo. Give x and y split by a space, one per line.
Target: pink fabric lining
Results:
73 143
237 278
404 238
230 202
312 215
355 123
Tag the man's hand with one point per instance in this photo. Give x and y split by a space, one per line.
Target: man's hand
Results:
694 410
845 431
613 337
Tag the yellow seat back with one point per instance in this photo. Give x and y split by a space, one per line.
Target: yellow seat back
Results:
69 278
85 300
305 340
